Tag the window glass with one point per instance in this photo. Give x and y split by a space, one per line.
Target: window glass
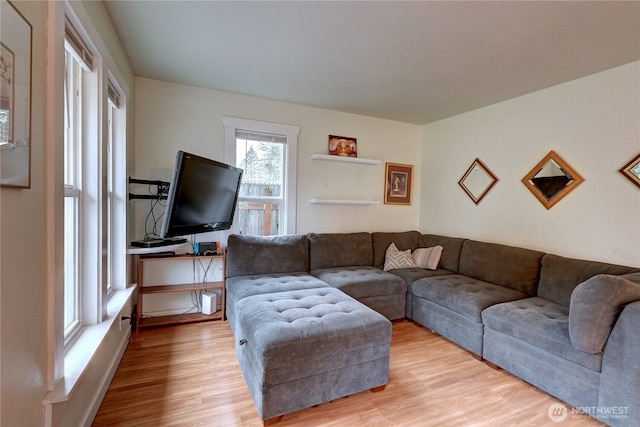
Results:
262 157
72 195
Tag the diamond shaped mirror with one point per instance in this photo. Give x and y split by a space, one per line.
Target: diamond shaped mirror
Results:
551 180
477 181
632 170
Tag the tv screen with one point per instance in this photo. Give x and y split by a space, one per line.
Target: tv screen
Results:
202 196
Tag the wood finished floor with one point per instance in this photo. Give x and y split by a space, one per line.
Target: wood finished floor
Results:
188 375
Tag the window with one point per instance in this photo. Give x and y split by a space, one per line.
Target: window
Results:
110 196
116 190
72 194
115 137
261 197
94 183
267 154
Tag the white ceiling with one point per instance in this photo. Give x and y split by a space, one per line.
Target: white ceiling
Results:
414 62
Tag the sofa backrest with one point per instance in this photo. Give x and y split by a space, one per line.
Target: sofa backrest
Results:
403 240
559 276
634 277
331 250
452 246
515 268
266 255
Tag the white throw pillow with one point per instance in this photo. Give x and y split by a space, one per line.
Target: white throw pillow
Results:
395 258
428 257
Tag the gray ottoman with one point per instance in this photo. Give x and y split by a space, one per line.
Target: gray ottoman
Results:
305 347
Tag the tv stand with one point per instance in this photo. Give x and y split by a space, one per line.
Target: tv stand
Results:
145 321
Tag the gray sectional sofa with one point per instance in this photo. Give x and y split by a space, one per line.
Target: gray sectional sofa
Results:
570 327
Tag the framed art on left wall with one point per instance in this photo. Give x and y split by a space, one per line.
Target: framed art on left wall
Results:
15 97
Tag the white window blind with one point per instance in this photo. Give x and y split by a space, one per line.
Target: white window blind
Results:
113 93
260 136
78 45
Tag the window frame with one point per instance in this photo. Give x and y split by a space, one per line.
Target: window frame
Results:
72 365
231 124
99 187
117 188
73 193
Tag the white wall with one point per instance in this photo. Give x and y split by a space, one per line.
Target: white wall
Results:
170 117
593 123
23 345
30 255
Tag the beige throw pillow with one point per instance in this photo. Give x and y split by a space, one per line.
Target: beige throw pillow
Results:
395 258
428 257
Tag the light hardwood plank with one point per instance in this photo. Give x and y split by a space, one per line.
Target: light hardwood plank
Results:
188 375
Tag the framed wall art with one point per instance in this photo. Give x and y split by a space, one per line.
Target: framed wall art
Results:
15 97
477 181
343 146
631 170
551 180
398 183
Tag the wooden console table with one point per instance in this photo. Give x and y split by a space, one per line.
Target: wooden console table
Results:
146 260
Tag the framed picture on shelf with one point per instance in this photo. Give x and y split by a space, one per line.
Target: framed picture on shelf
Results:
398 184
343 146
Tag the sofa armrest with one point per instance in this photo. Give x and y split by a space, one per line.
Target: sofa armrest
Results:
620 377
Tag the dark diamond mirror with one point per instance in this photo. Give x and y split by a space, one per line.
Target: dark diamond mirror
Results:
551 180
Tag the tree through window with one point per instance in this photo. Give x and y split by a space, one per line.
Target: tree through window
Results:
261 156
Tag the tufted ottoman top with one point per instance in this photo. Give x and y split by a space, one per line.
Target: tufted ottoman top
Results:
243 286
285 328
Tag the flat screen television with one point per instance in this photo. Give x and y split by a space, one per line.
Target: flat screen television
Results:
202 197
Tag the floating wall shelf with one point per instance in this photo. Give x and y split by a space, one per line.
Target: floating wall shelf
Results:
344 202
345 159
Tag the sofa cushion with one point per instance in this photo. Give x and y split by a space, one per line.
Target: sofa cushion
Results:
464 295
428 257
595 306
516 268
380 241
395 258
362 282
559 276
330 250
540 323
266 254
410 275
450 259
239 287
